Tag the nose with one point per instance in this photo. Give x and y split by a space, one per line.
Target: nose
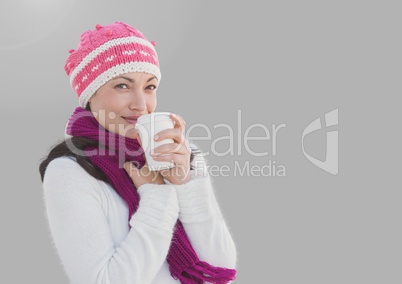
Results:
138 101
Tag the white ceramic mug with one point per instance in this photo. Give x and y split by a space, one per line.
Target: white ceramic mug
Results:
148 126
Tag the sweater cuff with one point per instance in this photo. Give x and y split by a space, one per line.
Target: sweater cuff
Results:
195 200
158 207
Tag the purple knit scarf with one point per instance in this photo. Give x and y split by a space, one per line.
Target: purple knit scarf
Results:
183 261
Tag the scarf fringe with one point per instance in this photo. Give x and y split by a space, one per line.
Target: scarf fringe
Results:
205 272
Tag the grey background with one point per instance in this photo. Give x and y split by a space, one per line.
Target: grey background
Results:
278 62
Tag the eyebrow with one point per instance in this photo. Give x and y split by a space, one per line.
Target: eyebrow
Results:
123 77
131 80
154 77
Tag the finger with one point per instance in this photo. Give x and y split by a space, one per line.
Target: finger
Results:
165 157
170 148
176 159
179 121
172 133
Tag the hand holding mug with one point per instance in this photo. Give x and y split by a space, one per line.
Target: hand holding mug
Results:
178 152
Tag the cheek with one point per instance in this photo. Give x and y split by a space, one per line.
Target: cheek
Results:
151 103
111 108
105 114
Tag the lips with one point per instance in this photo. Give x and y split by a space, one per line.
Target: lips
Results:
131 119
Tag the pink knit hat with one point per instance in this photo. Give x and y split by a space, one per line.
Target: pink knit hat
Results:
107 52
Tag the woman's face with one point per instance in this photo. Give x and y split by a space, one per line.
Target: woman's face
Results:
118 103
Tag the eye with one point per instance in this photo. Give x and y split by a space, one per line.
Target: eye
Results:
151 87
121 86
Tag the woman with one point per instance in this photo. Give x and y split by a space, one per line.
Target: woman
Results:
111 218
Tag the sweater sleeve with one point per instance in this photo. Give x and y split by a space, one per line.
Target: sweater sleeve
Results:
203 220
82 235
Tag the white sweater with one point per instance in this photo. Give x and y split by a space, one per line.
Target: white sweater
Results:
89 225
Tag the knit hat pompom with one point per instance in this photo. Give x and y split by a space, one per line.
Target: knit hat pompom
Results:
106 52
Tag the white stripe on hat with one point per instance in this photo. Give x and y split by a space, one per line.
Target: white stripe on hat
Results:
104 47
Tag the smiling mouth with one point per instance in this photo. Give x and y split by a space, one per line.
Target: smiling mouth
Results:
131 121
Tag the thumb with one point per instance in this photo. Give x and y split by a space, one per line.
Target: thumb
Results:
138 138
130 169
